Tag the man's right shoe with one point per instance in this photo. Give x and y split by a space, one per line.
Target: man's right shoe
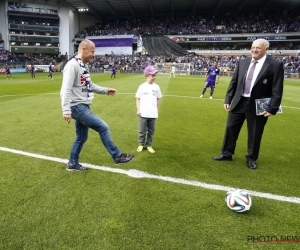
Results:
201 96
123 158
222 157
75 167
251 164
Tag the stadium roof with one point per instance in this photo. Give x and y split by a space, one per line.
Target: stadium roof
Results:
118 9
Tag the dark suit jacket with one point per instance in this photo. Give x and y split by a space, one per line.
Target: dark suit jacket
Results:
268 84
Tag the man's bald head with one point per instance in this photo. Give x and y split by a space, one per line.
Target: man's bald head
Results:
85 44
86 50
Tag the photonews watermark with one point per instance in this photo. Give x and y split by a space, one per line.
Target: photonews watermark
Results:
273 238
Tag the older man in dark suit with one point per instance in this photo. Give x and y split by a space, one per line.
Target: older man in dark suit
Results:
254 78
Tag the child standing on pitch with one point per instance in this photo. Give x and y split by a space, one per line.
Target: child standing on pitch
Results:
147 104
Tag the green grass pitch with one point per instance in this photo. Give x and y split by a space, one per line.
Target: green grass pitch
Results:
42 206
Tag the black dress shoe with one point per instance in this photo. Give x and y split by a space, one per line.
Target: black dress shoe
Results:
251 164
222 157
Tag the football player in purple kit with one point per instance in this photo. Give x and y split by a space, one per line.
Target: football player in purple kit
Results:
32 70
50 71
113 72
212 77
7 69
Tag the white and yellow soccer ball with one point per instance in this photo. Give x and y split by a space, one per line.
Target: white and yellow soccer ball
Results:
238 200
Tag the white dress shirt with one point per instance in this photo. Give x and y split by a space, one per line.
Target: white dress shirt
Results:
258 67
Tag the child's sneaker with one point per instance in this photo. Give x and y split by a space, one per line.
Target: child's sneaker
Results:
151 150
123 158
140 148
75 167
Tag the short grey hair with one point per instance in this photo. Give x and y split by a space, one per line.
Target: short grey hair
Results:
265 42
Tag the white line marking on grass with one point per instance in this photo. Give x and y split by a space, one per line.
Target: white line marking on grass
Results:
15 95
179 96
290 107
193 97
140 174
56 93
44 157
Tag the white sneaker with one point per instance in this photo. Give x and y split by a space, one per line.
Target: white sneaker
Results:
210 97
140 148
151 150
201 96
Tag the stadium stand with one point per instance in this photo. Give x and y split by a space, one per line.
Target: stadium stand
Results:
34 36
244 23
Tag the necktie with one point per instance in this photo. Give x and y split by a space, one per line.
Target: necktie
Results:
249 78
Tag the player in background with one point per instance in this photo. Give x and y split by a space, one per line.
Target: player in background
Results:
113 72
50 71
173 70
7 69
32 70
212 77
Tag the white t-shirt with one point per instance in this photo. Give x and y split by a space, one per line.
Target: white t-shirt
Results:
148 95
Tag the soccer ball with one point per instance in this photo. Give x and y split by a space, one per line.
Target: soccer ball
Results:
238 201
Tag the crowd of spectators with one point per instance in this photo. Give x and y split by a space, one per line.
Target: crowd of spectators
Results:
193 25
28 59
295 45
136 63
197 62
270 22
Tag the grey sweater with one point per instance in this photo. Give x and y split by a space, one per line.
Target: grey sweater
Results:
72 93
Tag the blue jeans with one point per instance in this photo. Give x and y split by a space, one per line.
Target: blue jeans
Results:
85 119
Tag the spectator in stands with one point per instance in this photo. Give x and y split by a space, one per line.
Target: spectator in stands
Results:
77 92
212 77
254 78
147 104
